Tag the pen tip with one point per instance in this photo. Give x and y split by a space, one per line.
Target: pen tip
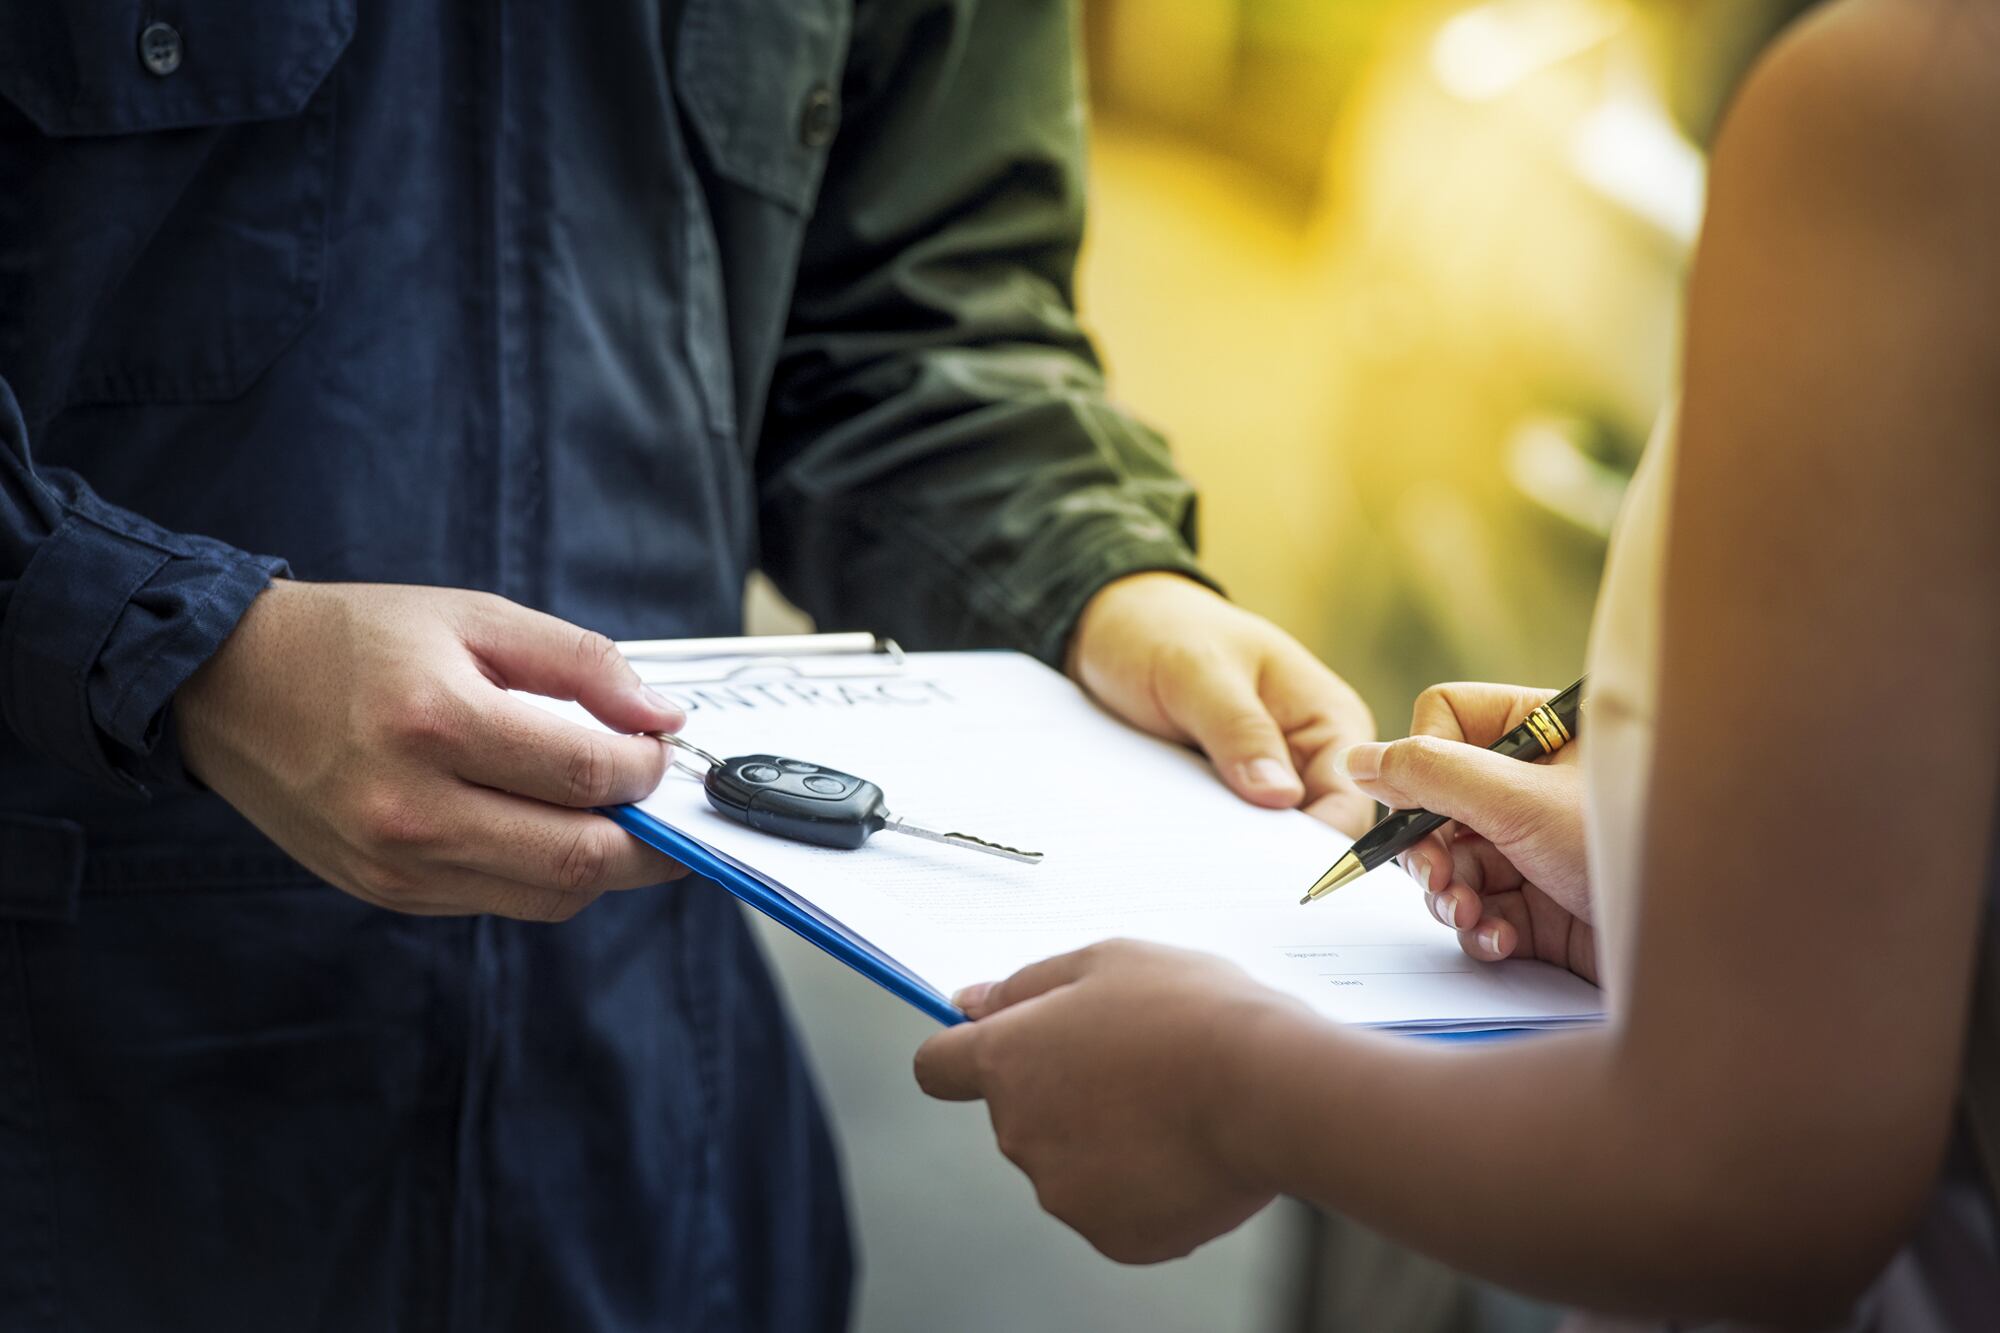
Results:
1344 872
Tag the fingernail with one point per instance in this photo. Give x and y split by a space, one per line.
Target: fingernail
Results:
1361 762
1489 939
971 995
1269 774
1445 908
660 703
1418 868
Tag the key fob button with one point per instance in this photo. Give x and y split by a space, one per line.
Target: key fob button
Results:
759 773
798 766
826 786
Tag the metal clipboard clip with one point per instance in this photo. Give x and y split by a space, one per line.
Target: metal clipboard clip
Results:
764 657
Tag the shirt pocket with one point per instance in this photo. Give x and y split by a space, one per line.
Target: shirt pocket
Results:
163 237
760 81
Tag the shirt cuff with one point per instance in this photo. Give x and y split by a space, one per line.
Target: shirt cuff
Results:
103 627
1097 566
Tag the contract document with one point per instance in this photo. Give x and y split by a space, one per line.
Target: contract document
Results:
1141 841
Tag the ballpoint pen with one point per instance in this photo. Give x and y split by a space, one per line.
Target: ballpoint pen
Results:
1542 733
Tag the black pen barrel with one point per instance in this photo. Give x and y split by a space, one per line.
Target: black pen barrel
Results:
1395 834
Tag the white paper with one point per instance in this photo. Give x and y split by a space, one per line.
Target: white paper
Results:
1140 840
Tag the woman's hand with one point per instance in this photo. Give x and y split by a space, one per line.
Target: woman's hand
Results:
1110 1072
1106 1072
1173 658
1508 874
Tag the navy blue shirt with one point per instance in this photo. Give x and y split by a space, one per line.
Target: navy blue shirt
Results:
596 306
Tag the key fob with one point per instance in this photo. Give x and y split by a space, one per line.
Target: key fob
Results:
794 799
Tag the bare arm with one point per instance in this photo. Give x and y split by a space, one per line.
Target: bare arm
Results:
1756 1130
1762 1126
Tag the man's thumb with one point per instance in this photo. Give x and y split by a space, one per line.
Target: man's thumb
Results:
1225 717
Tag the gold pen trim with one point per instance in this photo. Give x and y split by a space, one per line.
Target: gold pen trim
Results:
1548 730
1342 873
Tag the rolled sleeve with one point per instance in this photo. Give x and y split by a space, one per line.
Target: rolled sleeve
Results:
940 460
103 616
1000 545
102 628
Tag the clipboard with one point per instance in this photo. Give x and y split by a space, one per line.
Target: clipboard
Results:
811 682
798 656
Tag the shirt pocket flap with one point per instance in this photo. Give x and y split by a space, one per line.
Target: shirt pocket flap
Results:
94 67
760 80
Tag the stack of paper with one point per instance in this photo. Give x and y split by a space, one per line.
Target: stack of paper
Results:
1141 841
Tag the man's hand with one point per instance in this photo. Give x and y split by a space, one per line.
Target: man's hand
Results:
1107 1073
1172 658
366 729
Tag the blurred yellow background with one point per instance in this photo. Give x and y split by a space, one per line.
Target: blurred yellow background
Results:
1400 283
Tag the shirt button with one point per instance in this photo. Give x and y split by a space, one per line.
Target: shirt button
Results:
819 119
160 48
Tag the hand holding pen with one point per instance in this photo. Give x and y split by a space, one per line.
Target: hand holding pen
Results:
1501 855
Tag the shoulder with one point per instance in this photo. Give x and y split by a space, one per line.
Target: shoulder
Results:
1843 327
1877 107
1854 185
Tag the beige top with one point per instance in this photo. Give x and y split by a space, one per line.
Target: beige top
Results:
1947 1279
1623 699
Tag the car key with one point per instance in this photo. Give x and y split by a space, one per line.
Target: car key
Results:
809 803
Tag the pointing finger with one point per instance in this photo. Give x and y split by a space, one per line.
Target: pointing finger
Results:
1483 791
526 650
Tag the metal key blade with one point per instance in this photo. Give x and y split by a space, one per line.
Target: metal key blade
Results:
897 824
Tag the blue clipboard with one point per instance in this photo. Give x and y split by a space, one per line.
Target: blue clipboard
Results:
829 935
816 928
